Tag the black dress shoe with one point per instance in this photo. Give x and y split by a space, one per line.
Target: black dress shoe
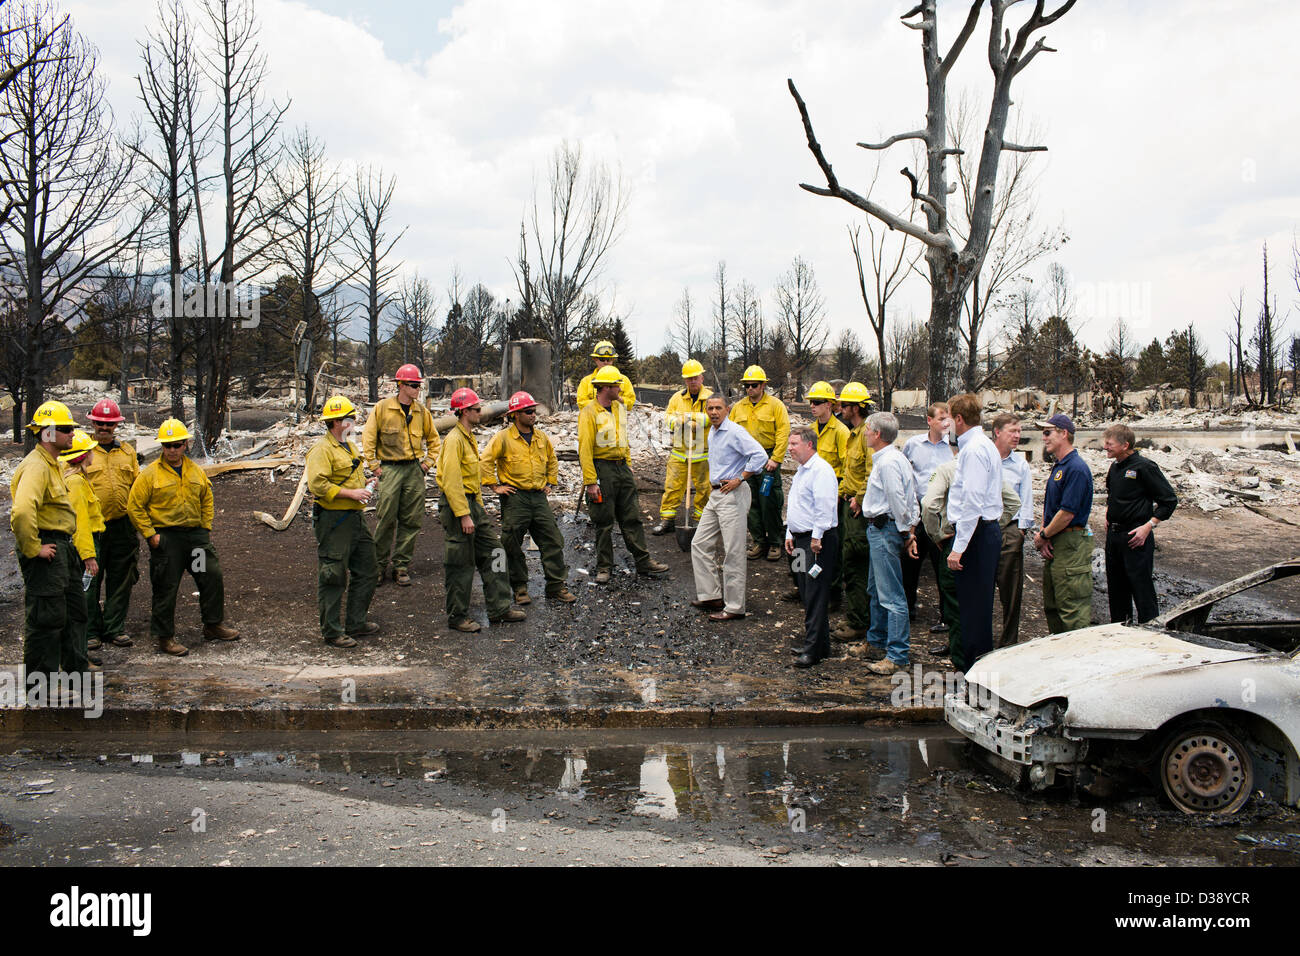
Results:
712 604
939 650
807 660
940 628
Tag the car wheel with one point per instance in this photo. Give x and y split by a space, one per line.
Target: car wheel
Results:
1206 769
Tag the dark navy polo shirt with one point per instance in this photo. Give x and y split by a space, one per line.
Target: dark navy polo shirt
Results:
1069 488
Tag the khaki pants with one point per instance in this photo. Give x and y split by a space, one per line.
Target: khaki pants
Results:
1067 582
718 549
1011 582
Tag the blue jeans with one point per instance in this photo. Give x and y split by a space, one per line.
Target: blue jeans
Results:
890 627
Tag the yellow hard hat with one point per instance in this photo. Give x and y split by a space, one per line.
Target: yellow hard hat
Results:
604 350
754 373
692 368
821 390
51 413
855 392
173 430
81 443
609 375
338 406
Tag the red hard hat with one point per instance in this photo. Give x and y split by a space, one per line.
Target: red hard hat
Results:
463 398
521 400
408 373
106 410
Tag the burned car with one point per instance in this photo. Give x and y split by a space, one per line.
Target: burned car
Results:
1204 698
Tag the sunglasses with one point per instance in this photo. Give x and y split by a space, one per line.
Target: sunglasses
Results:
819 401
526 411
173 444
64 429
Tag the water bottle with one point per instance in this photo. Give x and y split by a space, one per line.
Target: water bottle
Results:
86 578
765 488
372 486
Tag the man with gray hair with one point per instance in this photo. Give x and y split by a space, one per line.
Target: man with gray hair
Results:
892 509
812 540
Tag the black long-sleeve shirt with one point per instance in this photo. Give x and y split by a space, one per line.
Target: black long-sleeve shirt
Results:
1136 487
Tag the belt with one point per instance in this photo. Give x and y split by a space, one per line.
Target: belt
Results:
398 461
1120 527
56 535
879 521
1073 527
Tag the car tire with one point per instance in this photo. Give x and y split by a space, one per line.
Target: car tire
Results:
1206 767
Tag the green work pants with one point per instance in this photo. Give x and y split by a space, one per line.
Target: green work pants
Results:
1067 582
462 553
528 512
951 607
765 524
343 547
54 626
618 494
117 549
401 507
181 550
855 559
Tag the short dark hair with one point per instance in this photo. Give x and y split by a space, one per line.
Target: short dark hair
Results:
935 408
967 406
1123 433
1003 419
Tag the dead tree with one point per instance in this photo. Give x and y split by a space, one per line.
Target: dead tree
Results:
69 184
245 130
952 267
568 246
416 322
802 312
368 238
720 350
747 323
1238 343
686 335
888 271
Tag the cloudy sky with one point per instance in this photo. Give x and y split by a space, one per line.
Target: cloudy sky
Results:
1172 129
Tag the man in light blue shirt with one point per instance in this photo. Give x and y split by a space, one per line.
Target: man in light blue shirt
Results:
974 507
734 455
1011 563
925 453
812 541
892 510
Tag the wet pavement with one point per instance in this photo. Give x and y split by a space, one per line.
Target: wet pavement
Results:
840 796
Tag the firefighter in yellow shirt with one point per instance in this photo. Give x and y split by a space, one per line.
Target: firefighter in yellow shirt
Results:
855 557
766 418
88 538
470 539
400 445
520 465
690 428
605 357
111 469
607 478
171 506
43 521
344 548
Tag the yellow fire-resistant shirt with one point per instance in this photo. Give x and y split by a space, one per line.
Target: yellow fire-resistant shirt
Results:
687 419
832 443
602 433
459 474
41 501
90 519
767 420
389 436
510 460
111 473
857 464
586 393
160 498
330 467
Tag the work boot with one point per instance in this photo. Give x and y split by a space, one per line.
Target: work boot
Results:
509 617
169 645
653 569
402 578
563 594
521 596
755 551
383 576
602 576
845 632
219 632
365 630
792 596
342 641
883 667
119 640
466 625
667 526
92 644
774 553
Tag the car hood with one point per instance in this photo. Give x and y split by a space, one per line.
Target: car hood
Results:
1047 667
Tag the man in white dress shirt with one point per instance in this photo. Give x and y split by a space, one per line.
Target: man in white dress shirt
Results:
925 453
892 510
974 506
1011 563
734 455
812 541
